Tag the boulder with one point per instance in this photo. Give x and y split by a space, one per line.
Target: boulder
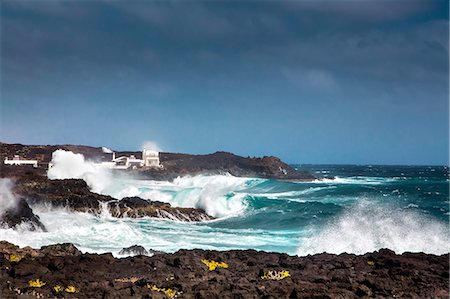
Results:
134 250
21 214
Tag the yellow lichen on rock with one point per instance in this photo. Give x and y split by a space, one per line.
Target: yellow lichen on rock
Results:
71 289
170 293
371 263
57 288
14 258
36 283
276 275
212 265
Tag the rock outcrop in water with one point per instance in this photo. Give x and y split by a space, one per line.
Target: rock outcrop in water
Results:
61 271
19 214
75 195
134 250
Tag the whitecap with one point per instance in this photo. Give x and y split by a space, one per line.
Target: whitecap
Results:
367 227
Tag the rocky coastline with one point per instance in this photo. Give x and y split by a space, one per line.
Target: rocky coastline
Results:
174 164
62 271
31 187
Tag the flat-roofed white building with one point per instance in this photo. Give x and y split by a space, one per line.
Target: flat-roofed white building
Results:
151 158
16 160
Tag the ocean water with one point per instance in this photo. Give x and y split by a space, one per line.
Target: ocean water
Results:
354 209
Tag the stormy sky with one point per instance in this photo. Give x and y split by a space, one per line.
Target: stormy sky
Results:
309 81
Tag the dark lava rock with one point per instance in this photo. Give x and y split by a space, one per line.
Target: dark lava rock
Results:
21 213
76 195
134 250
71 193
223 163
136 207
378 274
64 249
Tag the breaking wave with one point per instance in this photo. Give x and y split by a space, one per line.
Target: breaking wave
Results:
218 195
359 211
367 227
68 165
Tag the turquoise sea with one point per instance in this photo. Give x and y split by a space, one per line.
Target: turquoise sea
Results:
350 208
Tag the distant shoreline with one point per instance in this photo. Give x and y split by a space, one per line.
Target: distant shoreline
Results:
173 165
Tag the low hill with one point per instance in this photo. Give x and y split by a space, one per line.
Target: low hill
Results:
174 164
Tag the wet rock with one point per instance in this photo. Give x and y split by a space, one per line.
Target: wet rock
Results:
76 195
134 250
136 207
21 213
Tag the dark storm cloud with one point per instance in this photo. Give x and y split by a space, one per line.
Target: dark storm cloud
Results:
138 35
361 54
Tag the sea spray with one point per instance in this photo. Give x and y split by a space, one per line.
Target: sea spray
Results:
369 226
7 198
405 210
68 165
216 194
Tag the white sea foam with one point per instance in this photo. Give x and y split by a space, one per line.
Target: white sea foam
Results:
284 195
367 227
7 198
356 180
216 194
99 235
67 165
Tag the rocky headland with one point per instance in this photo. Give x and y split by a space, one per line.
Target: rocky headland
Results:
62 271
174 164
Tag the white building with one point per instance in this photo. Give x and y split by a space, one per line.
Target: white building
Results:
18 161
149 159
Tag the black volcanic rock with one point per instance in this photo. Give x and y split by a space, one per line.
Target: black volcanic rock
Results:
381 274
19 214
75 195
134 250
137 207
60 250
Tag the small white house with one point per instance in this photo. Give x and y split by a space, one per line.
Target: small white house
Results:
16 160
151 158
